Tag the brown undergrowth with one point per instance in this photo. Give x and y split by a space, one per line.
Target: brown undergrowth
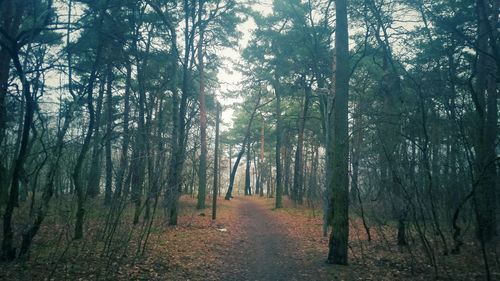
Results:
192 250
198 248
380 259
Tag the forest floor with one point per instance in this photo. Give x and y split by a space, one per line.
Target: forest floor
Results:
250 240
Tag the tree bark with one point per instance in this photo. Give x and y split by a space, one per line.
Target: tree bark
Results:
77 180
95 166
298 178
11 19
216 164
279 182
485 97
4 78
259 186
8 249
108 193
10 22
339 184
248 189
126 135
138 162
179 129
202 173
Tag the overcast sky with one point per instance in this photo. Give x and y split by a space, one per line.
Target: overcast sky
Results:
228 76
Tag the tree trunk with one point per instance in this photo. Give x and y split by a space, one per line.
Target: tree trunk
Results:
339 237
314 174
109 131
77 180
279 183
138 162
10 22
202 173
155 149
259 185
8 249
95 166
126 136
298 178
4 79
216 164
287 167
242 151
485 97
179 129
248 189
233 173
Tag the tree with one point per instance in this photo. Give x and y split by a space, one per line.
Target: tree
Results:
279 177
13 42
78 181
298 179
109 135
339 183
485 97
216 163
202 172
248 131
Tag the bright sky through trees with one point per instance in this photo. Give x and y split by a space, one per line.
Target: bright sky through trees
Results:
229 76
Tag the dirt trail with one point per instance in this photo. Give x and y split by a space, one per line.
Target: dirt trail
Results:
264 251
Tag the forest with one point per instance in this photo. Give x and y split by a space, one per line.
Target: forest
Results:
249 139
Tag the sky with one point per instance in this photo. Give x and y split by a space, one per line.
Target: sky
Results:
229 76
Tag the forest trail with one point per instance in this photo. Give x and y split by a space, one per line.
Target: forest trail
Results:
265 251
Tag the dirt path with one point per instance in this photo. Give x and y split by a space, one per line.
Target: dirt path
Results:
264 252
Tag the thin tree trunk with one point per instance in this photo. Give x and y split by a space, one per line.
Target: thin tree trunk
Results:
260 167
248 190
126 136
8 249
216 164
138 162
77 180
95 166
279 183
298 178
4 79
109 131
242 151
10 22
287 167
202 173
